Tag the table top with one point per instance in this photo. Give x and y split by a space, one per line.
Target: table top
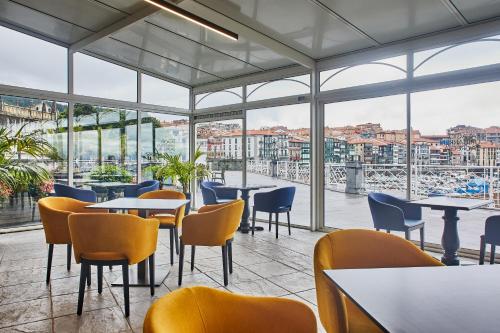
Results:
426 299
451 202
108 184
247 187
135 203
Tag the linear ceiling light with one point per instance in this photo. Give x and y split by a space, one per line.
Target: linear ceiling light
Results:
193 18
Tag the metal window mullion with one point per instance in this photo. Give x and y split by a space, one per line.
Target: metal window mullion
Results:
138 129
192 144
317 214
409 139
71 108
244 137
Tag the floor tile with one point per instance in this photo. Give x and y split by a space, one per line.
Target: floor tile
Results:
261 287
103 320
37 326
24 292
63 305
24 312
294 282
270 269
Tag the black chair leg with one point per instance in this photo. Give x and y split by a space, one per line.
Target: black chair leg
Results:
171 246
49 261
492 254
254 212
230 255
110 267
276 216
224 264
81 289
193 251
181 263
125 289
289 227
407 235
176 238
68 257
482 251
422 239
99 279
89 273
270 220
152 274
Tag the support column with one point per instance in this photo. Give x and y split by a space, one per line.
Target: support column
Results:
192 144
409 134
71 108
139 133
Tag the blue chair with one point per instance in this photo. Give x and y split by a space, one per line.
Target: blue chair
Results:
391 213
491 236
276 201
212 194
61 190
134 191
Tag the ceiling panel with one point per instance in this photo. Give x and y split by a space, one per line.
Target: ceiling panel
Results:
392 20
169 45
296 23
242 49
128 6
38 22
132 56
478 9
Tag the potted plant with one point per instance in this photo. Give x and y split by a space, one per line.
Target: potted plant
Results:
111 173
182 172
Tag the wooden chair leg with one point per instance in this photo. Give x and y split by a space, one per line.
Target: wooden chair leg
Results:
176 238
125 289
482 250
49 262
99 279
276 217
254 212
193 252
270 220
171 246
422 239
492 254
81 289
224 264
230 255
152 274
68 257
89 273
181 263
289 227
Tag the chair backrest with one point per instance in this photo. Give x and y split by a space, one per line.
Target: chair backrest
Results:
75 193
126 234
385 213
492 229
273 200
207 310
134 191
54 212
208 194
357 248
213 225
210 184
167 194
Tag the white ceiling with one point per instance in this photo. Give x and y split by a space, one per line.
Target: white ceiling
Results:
169 46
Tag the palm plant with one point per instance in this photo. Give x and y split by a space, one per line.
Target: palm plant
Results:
16 174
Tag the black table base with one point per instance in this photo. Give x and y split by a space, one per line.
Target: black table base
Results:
450 240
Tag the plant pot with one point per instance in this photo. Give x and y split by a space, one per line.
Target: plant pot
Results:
188 205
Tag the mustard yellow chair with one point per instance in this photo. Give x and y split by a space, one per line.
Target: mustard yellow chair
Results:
168 220
214 225
357 248
54 212
112 239
207 310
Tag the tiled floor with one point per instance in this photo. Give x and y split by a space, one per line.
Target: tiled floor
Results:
262 266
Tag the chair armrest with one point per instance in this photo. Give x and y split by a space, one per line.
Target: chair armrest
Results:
411 211
226 193
386 216
209 208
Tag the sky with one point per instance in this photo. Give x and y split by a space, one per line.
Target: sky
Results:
33 63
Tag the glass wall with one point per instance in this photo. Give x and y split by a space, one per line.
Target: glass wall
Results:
218 98
160 92
105 148
33 155
161 135
221 146
280 88
278 153
365 150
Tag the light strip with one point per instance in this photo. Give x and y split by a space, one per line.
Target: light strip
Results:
193 18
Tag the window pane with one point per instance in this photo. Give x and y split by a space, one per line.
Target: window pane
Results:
159 92
278 153
105 148
280 88
218 98
474 54
365 150
98 78
457 153
221 145
30 62
372 72
43 124
168 134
